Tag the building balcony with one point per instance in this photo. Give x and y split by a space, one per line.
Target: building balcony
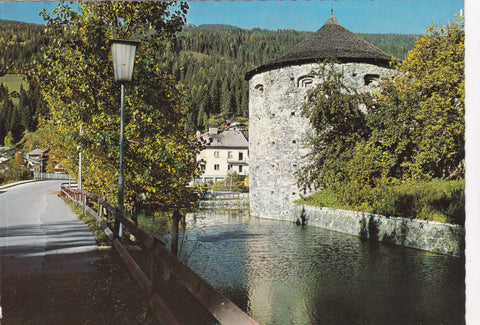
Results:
233 160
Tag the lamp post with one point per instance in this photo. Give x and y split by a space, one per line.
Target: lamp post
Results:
123 53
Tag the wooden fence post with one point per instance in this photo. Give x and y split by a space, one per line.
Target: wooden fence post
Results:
176 220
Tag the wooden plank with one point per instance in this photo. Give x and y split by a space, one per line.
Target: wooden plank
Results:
161 310
101 222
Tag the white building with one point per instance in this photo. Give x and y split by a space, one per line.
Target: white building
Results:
226 152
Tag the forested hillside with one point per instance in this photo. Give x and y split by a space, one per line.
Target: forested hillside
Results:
19 44
209 62
20 107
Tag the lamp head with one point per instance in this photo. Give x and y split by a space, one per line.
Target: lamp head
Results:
123 53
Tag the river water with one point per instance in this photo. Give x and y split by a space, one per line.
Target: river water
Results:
280 273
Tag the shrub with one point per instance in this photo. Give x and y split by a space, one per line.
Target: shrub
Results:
233 182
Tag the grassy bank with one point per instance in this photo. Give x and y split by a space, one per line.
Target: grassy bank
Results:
90 221
437 200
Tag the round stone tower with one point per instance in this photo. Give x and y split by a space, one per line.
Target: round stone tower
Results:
277 90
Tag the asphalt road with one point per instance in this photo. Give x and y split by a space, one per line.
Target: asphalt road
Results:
40 234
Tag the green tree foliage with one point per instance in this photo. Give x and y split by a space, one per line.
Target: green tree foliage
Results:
5 109
20 45
233 183
14 169
435 70
419 119
394 44
22 117
338 123
9 142
77 80
413 129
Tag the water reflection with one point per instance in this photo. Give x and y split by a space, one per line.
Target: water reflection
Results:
283 274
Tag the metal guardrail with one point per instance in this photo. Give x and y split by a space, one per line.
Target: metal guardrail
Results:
225 196
52 176
217 304
229 196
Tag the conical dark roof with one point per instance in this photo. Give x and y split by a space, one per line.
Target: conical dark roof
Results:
332 41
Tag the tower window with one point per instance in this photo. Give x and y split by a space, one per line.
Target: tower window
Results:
259 87
305 82
369 78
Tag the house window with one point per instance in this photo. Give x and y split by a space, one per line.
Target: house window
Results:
216 167
230 167
240 156
216 154
229 154
240 168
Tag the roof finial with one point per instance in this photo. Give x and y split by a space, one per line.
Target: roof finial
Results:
331 10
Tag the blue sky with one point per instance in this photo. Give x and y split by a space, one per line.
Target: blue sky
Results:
359 16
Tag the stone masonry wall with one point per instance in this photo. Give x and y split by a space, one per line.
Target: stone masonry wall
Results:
225 204
432 236
277 132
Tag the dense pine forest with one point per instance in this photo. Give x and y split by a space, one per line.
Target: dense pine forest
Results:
20 43
209 63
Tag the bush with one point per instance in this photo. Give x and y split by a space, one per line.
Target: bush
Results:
233 182
436 200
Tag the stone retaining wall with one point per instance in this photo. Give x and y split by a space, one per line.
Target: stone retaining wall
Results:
226 204
432 236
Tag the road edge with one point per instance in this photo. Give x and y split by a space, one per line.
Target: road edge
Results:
3 187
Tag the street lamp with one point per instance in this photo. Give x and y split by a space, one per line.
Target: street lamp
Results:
123 53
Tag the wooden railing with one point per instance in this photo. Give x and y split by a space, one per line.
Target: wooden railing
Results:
218 305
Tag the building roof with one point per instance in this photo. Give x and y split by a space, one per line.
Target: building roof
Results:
229 139
4 158
36 152
331 41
